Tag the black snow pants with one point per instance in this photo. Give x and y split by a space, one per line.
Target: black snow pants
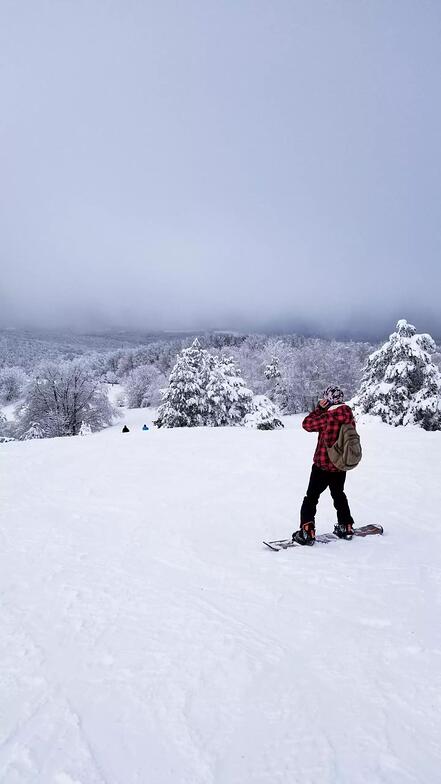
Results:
319 481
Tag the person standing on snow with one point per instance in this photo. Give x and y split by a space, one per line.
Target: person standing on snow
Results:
326 420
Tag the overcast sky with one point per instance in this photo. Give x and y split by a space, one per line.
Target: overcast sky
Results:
220 163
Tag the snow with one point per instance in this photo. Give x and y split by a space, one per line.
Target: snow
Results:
383 388
148 636
8 410
115 392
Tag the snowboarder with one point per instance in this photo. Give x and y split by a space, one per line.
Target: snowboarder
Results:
125 429
144 427
326 420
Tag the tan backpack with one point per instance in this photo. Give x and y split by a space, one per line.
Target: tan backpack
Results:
346 453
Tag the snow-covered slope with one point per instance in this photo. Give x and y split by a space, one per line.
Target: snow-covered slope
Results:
147 637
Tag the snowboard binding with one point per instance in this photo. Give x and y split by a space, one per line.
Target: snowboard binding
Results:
344 530
305 535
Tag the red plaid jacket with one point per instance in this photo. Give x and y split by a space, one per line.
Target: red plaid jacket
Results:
327 425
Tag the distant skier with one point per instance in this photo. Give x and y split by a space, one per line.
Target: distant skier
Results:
125 429
326 420
144 427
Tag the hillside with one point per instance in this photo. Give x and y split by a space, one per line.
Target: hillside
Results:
148 637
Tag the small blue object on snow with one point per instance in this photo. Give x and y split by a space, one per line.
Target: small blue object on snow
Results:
145 427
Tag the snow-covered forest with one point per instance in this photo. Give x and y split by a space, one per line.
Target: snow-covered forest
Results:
291 370
53 384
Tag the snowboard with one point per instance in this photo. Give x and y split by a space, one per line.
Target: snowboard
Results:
365 530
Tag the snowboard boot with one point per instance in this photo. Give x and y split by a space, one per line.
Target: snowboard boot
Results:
305 534
344 530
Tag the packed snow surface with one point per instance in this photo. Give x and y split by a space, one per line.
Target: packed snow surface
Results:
148 637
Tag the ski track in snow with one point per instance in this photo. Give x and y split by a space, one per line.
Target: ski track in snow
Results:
148 636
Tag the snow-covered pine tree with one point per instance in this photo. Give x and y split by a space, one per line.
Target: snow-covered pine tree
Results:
34 431
238 398
400 382
277 391
184 401
272 370
228 396
218 396
204 390
264 414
